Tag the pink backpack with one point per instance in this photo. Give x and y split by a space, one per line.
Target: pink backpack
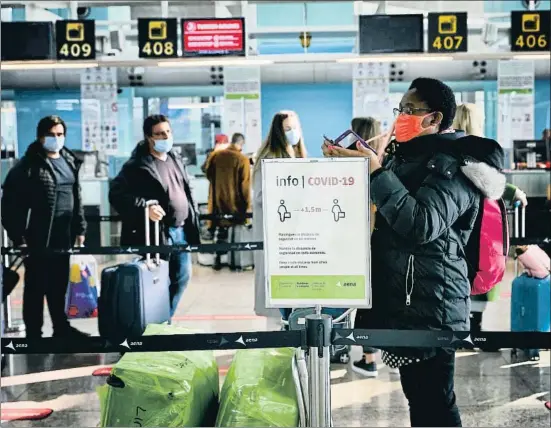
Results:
488 246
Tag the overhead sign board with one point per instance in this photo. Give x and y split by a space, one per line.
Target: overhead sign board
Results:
75 40
213 37
158 37
390 33
316 232
530 30
447 32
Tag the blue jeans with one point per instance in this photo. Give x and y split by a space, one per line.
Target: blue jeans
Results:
179 267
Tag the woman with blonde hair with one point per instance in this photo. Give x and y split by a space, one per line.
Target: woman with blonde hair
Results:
284 141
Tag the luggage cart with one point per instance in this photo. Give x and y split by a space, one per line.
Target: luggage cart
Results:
342 319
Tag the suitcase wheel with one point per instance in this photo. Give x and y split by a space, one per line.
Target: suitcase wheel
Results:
344 358
532 354
341 357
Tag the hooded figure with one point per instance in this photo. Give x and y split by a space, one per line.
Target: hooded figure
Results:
428 196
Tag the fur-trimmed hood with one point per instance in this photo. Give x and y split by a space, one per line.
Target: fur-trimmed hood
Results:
481 160
487 179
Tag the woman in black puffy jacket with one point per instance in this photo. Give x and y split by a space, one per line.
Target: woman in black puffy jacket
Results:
427 195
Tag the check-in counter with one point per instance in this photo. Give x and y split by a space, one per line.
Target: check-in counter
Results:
533 182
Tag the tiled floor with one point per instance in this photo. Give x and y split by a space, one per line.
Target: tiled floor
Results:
492 389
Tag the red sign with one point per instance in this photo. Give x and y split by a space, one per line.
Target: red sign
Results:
213 36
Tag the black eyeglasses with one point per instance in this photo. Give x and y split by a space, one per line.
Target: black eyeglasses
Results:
409 110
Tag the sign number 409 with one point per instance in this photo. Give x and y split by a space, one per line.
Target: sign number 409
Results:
76 50
158 48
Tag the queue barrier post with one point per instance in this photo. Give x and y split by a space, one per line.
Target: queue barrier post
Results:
318 341
9 326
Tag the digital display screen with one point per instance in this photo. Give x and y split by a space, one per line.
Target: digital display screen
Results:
391 33
213 37
27 41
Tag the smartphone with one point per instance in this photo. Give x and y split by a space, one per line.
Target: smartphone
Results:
342 142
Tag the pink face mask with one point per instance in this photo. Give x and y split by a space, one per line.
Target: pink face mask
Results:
408 126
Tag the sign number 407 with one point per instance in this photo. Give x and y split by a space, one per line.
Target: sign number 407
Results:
447 43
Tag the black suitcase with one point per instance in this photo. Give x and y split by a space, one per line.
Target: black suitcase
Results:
134 294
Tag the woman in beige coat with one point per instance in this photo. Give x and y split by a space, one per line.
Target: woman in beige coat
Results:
284 141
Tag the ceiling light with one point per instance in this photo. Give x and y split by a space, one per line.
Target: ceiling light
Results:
192 105
395 58
24 65
546 56
214 62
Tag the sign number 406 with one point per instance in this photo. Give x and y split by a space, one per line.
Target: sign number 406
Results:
76 50
531 41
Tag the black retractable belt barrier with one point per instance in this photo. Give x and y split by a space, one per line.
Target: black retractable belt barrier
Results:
162 249
115 218
316 337
442 339
179 342
530 241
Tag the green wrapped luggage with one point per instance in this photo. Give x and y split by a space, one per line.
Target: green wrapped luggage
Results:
259 390
161 389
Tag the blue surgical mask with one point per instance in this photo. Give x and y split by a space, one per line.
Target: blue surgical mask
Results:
53 144
163 146
293 136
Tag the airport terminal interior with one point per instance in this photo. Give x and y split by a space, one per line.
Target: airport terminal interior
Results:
88 76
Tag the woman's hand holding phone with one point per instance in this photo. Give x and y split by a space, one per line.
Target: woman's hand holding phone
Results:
330 150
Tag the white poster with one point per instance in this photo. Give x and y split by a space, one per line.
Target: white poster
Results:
242 111
99 110
371 92
316 232
515 102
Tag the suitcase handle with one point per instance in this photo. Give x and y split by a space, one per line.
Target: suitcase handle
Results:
522 220
147 232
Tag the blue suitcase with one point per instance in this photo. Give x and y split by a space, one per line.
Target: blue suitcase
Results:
531 307
134 294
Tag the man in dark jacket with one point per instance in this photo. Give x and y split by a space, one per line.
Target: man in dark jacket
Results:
154 172
42 207
427 197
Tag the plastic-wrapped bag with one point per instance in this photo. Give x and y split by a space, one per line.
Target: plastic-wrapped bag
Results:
161 389
259 390
81 300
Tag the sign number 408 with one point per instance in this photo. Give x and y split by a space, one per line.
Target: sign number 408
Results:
158 48
76 50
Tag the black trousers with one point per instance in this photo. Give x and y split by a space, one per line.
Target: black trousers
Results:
429 388
45 275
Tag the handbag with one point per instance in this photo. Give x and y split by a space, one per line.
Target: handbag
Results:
535 261
10 277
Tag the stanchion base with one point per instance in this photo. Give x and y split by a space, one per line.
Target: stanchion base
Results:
17 328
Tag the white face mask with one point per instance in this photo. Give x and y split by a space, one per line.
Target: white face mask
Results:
53 144
293 136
